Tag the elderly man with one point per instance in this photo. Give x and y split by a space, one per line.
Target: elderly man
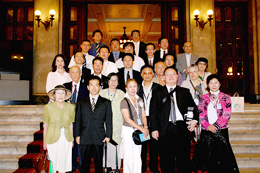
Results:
79 90
184 60
159 69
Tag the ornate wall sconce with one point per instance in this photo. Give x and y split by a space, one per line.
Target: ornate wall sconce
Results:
48 22
201 22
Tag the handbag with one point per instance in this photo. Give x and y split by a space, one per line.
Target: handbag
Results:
237 103
136 134
43 163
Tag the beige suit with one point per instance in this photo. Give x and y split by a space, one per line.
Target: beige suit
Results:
181 63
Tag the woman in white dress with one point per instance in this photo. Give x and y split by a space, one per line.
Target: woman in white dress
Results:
58 75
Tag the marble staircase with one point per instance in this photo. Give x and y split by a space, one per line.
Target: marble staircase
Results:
18 123
244 134
20 134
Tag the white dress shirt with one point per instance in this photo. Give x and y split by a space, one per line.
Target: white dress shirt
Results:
188 57
178 114
147 97
73 88
95 98
161 52
212 112
109 67
138 63
137 46
55 78
88 58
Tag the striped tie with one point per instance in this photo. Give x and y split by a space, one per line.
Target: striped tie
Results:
93 104
84 63
97 49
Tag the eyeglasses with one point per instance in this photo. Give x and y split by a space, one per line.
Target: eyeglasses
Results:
193 72
202 63
147 73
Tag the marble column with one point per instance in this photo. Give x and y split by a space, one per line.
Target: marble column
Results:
46 44
256 39
204 42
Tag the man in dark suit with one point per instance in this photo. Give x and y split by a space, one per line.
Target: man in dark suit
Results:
79 59
164 45
79 90
97 37
145 91
97 68
115 54
139 46
150 59
127 72
169 124
92 113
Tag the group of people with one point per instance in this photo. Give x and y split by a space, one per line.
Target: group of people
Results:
106 96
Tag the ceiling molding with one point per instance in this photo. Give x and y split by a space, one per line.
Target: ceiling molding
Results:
156 20
92 20
124 20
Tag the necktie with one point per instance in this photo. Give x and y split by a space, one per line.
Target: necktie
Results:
164 52
84 63
172 113
128 75
73 99
116 57
97 49
150 62
93 104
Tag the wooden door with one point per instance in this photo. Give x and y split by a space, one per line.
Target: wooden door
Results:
232 47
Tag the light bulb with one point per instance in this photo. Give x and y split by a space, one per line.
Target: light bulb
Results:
52 12
196 12
37 13
209 12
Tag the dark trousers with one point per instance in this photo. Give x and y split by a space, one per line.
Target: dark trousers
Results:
75 152
88 151
175 144
153 152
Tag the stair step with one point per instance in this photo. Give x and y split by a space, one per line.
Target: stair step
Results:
244 126
21 109
38 135
254 117
9 161
28 160
13 147
248 160
246 146
21 117
25 170
35 147
249 170
246 135
19 126
7 170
